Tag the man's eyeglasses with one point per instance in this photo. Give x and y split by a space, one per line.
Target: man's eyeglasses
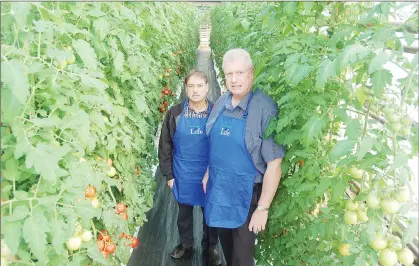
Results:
238 74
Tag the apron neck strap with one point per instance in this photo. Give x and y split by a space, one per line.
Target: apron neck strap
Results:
246 112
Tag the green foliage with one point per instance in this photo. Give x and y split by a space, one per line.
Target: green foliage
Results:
325 64
82 83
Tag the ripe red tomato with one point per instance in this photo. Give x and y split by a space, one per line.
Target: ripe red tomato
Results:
134 242
121 207
124 235
105 254
100 244
110 248
90 191
124 216
102 234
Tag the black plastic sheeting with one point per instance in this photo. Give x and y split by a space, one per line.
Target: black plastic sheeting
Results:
160 235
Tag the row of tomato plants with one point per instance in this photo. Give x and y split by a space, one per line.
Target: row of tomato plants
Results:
84 86
344 118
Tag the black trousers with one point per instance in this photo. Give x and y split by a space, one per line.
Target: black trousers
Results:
238 244
185 227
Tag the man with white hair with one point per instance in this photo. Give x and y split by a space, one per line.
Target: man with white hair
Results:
244 168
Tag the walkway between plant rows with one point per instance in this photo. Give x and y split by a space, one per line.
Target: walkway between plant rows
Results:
159 235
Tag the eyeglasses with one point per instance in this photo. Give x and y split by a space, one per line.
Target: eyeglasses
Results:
238 74
199 86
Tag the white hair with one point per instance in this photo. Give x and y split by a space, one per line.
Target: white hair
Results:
235 54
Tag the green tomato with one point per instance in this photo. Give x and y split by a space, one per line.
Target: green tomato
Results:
378 242
387 257
373 202
350 217
403 195
405 131
74 243
405 121
355 172
344 249
111 172
388 110
396 127
362 216
86 236
71 59
394 242
351 205
390 206
393 118
405 256
61 64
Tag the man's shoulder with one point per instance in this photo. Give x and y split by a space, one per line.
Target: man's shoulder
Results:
264 101
221 100
176 109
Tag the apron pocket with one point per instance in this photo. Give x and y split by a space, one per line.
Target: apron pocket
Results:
223 190
185 193
244 188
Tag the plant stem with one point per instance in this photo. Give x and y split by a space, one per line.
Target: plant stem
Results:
110 191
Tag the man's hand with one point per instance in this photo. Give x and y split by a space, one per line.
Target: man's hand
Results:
258 221
205 181
170 183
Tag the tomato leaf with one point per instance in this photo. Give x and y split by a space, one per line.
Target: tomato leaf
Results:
353 129
326 71
86 53
12 231
378 61
34 233
352 54
313 128
59 237
45 160
380 79
14 78
364 146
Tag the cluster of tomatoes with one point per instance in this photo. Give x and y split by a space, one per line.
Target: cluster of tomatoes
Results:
107 246
105 243
133 241
121 209
165 92
90 193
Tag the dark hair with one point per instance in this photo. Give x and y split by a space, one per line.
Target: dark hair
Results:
197 73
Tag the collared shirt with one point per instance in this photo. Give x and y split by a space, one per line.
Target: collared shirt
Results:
190 113
261 109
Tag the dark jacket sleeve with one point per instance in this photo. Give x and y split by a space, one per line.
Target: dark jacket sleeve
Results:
166 147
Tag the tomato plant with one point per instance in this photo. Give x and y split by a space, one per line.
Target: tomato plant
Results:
80 97
341 107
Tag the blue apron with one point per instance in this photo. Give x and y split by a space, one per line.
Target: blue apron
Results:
190 159
231 173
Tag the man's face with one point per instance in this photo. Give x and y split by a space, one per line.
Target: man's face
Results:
196 89
239 76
